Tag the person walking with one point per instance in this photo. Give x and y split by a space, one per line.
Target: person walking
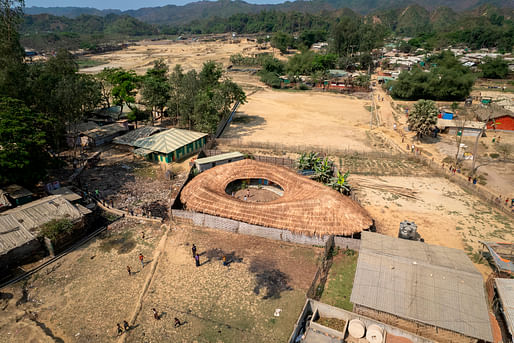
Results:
141 259
224 259
155 314
177 322
193 249
197 260
126 325
129 270
119 329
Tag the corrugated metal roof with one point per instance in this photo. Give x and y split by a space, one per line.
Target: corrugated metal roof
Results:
104 131
426 283
169 140
140 132
220 157
12 234
67 193
505 289
36 213
459 123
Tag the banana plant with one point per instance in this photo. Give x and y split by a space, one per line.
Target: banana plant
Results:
324 170
340 183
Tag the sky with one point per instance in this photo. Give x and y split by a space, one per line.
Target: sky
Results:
121 4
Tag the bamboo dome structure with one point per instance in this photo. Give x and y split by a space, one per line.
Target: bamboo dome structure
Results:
306 207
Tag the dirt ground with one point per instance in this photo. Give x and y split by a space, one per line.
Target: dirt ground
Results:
302 118
190 55
444 213
82 296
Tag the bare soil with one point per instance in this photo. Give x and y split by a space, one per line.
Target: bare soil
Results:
256 195
302 118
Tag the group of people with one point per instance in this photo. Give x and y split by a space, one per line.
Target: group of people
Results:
126 326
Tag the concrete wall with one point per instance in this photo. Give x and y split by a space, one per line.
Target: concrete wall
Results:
225 224
347 243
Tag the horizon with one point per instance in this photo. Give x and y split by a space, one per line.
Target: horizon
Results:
124 5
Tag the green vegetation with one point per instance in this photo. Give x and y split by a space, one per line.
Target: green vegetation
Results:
339 286
56 228
494 68
423 118
446 79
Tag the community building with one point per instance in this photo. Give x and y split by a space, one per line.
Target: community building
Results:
432 291
170 145
202 164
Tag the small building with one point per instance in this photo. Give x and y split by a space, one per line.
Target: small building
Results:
432 291
39 212
17 244
104 134
458 127
501 257
202 164
503 306
129 138
67 194
501 123
18 195
170 145
322 323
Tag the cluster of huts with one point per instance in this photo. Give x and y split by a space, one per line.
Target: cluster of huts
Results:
23 215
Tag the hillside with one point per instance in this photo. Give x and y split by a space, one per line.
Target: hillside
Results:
173 15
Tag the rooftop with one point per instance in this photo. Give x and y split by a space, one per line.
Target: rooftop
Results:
141 132
67 193
168 141
220 157
16 191
505 289
39 212
12 234
104 131
425 283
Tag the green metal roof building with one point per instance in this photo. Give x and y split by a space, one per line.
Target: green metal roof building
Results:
170 145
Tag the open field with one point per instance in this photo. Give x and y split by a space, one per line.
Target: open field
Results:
302 118
445 214
190 55
83 296
338 288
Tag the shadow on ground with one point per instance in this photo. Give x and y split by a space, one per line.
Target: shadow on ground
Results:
272 279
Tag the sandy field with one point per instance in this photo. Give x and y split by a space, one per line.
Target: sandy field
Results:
445 214
302 118
191 55
82 296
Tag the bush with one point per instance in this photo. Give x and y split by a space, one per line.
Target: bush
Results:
56 228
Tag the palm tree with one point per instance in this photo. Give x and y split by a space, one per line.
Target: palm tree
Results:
423 118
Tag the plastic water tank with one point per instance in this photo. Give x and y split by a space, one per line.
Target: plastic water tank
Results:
356 328
375 334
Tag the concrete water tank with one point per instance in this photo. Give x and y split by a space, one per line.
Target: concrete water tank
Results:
356 328
375 334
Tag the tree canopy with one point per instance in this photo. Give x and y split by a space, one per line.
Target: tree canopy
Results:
423 118
494 68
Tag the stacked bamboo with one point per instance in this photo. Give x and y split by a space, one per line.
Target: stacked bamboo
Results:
307 207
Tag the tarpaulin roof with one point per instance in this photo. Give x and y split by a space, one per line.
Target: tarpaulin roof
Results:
502 263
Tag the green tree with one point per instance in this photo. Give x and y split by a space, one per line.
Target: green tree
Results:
12 68
155 88
124 87
23 155
282 41
423 118
494 68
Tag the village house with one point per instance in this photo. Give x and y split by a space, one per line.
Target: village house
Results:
170 145
131 137
104 134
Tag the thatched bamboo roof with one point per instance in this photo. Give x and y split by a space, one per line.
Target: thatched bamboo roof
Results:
307 207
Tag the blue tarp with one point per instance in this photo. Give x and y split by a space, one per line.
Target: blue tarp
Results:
447 115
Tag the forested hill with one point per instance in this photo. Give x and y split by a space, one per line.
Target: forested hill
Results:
173 15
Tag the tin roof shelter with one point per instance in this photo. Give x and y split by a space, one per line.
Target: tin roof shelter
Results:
12 234
18 194
502 256
421 283
67 193
141 132
505 289
205 163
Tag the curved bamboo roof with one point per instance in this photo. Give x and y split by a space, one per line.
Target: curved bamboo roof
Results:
307 207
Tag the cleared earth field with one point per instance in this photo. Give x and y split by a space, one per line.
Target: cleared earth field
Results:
302 118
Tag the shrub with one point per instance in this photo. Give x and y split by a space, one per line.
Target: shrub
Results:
56 228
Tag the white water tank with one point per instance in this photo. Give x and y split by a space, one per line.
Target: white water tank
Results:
356 328
375 334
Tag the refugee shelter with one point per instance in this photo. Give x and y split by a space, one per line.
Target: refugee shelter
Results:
17 244
129 138
18 195
502 256
458 127
432 291
322 323
202 164
170 145
503 305
104 134
39 212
